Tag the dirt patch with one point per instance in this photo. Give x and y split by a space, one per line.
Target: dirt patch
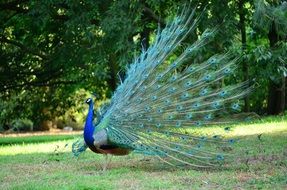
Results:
130 183
261 158
244 177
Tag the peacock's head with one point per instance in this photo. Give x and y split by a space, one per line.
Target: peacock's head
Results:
89 101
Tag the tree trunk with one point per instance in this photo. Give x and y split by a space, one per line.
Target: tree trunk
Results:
276 94
285 93
146 31
276 97
145 37
113 72
245 68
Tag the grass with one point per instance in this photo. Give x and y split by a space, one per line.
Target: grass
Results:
260 162
33 139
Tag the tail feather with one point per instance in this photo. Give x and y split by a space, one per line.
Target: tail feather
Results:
175 147
79 147
161 98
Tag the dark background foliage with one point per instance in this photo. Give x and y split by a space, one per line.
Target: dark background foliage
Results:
54 54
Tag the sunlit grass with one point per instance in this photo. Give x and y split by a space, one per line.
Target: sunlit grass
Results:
36 144
34 139
256 127
62 146
264 126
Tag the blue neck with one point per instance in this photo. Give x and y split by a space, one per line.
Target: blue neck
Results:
89 128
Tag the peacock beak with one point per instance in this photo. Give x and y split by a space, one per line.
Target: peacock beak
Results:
88 101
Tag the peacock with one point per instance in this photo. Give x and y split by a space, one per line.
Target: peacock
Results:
164 102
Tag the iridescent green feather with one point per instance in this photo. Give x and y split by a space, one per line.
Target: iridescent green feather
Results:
160 107
79 147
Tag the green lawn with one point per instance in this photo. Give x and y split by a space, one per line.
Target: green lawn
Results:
34 139
260 162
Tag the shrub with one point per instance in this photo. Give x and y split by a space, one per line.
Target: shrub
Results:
22 125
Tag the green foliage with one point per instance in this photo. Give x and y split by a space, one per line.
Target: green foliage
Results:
45 53
273 13
22 125
272 60
55 54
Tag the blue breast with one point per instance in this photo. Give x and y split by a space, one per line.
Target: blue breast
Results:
89 128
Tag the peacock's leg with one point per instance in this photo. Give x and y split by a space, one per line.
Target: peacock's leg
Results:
105 162
109 160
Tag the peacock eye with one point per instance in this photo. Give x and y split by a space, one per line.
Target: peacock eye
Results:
88 100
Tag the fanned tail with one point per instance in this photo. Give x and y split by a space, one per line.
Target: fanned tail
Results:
152 110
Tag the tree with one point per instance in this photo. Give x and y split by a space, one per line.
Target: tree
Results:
272 19
53 54
46 51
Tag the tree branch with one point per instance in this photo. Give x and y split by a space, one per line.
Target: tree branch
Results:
23 47
41 84
152 15
12 5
